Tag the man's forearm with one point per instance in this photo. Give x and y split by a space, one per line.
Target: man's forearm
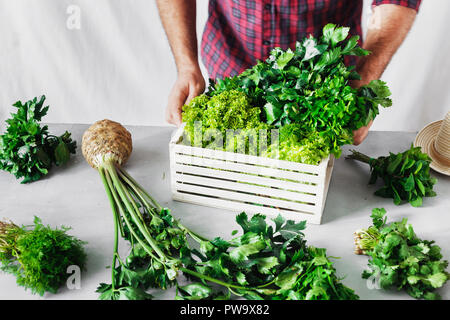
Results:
388 28
179 21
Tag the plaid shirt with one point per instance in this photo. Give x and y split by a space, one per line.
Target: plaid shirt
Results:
238 33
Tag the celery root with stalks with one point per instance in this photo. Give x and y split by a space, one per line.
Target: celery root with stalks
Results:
267 261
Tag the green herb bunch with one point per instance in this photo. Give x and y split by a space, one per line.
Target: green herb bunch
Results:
401 260
271 262
229 122
406 175
310 86
267 261
27 150
229 110
295 146
39 256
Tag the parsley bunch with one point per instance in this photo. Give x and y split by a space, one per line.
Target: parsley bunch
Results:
401 260
310 86
39 256
27 150
406 175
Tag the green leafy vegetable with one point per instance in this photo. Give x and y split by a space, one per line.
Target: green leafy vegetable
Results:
229 122
224 120
309 86
406 175
401 260
39 256
27 150
267 261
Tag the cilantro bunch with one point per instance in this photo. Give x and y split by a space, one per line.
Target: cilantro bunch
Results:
406 175
399 259
310 86
27 150
39 256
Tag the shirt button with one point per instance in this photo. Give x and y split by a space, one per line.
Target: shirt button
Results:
266 42
268 6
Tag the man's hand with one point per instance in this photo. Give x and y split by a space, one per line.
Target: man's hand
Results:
389 26
179 20
188 86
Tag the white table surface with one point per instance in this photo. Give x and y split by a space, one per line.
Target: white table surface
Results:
74 196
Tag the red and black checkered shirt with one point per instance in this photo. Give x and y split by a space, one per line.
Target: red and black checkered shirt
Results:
240 32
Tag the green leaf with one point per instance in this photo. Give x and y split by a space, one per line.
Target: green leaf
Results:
417 202
130 293
292 229
351 44
394 164
437 280
410 184
62 154
242 252
241 279
328 32
171 273
106 292
197 290
339 34
266 264
378 217
285 58
272 112
279 220
287 278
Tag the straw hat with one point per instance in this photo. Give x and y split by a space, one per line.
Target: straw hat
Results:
435 141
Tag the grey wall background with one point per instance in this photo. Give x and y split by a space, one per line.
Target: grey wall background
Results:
118 65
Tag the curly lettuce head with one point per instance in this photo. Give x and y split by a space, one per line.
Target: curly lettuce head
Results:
230 109
296 146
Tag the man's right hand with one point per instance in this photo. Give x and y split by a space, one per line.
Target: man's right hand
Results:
189 84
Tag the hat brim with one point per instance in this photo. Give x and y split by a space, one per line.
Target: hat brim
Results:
425 139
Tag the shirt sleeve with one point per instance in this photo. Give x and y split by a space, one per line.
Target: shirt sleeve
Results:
413 4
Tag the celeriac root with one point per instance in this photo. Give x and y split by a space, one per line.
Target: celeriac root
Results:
104 141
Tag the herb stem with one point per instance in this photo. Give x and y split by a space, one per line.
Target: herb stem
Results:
208 278
359 157
128 204
142 190
116 218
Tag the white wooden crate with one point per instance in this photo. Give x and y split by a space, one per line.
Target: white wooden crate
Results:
240 182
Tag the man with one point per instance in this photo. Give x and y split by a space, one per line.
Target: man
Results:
238 33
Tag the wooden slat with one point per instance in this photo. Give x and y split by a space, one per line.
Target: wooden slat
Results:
245 168
235 207
248 178
250 159
233 195
249 188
